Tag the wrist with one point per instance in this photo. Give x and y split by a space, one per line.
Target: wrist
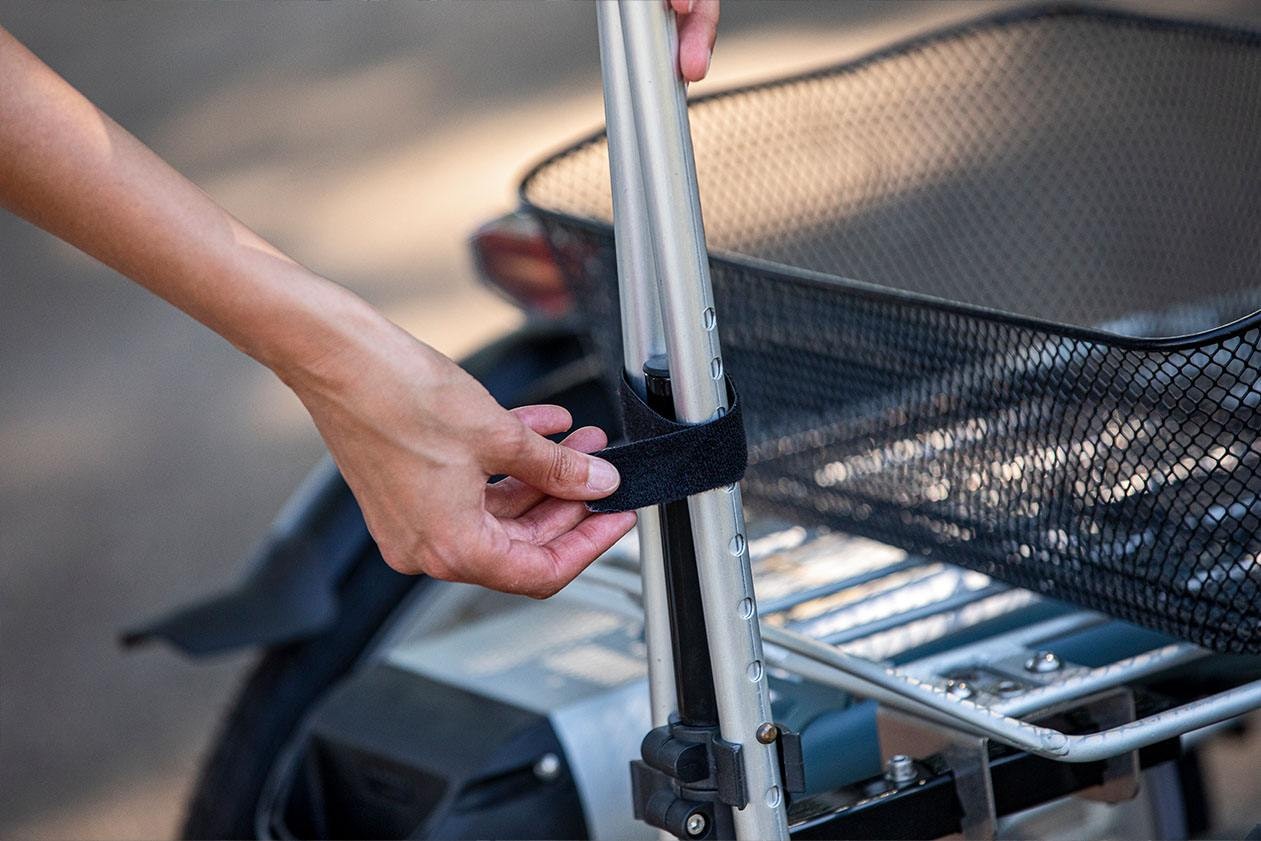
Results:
305 337
333 340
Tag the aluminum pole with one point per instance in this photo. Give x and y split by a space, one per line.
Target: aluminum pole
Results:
676 231
642 335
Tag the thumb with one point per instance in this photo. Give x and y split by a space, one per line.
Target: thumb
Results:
560 471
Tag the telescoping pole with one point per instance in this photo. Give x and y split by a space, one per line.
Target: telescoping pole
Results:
677 238
642 332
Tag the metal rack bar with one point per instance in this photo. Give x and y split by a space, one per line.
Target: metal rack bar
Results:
668 174
642 332
824 664
899 690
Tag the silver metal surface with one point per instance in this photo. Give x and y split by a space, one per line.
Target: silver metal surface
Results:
900 769
1120 772
1166 801
910 694
570 658
1043 662
920 696
642 335
696 824
903 737
968 757
1089 681
547 768
677 235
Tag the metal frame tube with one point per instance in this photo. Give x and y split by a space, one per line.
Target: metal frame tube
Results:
642 335
668 172
829 666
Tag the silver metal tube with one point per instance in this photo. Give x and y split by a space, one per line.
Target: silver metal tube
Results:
642 334
911 695
1123 672
826 665
641 331
696 374
661 691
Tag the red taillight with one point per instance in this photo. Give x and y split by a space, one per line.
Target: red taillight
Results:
512 255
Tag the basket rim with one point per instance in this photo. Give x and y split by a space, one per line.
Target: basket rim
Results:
891 295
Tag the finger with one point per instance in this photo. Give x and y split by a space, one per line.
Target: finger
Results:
540 571
556 470
510 498
698 29
544 419
548 520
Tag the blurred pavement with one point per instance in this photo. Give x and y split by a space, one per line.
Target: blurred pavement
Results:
140 455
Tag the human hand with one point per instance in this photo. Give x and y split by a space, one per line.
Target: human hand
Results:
698 29
416 438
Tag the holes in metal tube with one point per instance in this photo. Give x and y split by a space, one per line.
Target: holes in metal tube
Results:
772 796
710 318
736 546
745 608
715 368
755 671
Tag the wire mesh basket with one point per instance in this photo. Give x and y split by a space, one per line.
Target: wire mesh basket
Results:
989 296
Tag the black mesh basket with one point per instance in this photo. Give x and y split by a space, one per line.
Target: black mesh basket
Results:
1047 366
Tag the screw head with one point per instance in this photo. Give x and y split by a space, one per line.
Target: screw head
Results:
1006 686
547 768
767 733
1043 662
958 689
900 769
696 824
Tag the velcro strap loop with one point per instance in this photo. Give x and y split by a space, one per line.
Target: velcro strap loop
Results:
666 460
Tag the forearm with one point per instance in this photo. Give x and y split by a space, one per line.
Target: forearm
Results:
68 168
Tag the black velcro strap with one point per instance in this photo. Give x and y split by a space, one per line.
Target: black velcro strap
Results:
667 460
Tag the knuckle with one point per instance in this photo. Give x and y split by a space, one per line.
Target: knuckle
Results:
564 467
512 437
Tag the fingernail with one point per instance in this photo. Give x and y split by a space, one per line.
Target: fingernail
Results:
602 476
709 57
691 4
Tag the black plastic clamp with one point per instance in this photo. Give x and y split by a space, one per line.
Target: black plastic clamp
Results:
792 765
685 774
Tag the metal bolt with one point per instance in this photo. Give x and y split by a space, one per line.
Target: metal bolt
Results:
900 769
767 733
958 689
1043 662
1007 686
696 824
547 768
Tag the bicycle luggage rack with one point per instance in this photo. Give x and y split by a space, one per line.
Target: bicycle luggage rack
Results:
1062 444
927 709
